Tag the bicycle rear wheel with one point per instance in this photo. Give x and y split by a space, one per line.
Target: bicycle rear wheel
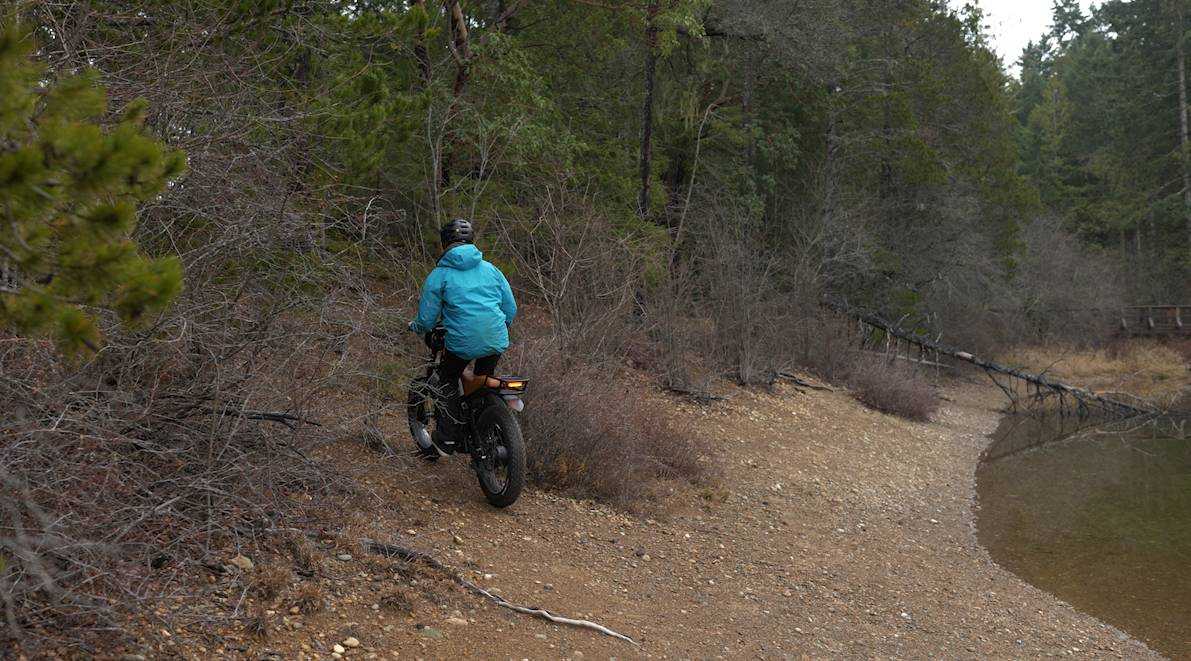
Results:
502 469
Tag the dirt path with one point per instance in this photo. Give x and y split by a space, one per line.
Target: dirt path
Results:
840 532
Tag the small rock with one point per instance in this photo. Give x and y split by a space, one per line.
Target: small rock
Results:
294 610
336 655
540 636
457 539
344 556
577 654
242 562
646 557
457 621
351 641
338 649
431 632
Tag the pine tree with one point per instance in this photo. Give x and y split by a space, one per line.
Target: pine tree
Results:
69 190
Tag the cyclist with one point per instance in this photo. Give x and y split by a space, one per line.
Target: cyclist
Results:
471 299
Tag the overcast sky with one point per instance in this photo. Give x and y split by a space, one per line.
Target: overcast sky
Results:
1013 23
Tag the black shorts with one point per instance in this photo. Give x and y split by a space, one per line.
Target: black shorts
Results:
451 367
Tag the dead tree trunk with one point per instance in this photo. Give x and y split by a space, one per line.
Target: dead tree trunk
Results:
651 55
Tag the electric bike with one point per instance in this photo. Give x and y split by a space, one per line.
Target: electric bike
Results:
490 432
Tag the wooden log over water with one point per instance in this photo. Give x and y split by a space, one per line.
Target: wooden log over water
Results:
1084 397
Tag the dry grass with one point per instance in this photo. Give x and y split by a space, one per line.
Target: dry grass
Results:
1143 368
310 598
257 623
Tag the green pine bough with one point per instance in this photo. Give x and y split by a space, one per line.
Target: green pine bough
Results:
69 191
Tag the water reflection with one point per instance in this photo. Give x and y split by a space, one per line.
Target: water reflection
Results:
1099 515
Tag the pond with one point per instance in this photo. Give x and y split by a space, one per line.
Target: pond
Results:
1099 516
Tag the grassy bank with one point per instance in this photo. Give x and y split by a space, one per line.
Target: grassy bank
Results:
1150 369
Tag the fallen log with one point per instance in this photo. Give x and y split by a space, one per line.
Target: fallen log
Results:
799 381
1084 396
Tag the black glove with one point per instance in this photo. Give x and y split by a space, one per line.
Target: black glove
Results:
434 339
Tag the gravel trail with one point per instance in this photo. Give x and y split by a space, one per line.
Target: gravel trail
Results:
836 532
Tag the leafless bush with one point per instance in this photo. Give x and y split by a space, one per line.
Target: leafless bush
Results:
829 347
892 388
591 434
585 273
826 344
1060 292
180 445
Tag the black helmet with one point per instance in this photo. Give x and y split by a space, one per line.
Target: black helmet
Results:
456 231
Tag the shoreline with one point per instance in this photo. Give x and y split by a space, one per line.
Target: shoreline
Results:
986 556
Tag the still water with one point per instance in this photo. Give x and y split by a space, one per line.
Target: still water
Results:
1099 516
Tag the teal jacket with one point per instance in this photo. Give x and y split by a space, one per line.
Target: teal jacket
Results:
473 301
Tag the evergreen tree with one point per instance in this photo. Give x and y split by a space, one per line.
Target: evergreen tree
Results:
69 190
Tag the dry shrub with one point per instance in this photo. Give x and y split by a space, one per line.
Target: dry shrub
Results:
309 598
825 344
269 581
585 272
257 623
1063 293
180 441
302 553
590 433
396 602
892 388
828 345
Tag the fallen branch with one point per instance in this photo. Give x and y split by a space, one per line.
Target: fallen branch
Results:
697 395
410 555
266 416
799 381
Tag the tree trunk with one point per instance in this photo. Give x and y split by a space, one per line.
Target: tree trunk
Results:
461 48
651 55
421 55
746 111
460 39
1181 56
505 12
